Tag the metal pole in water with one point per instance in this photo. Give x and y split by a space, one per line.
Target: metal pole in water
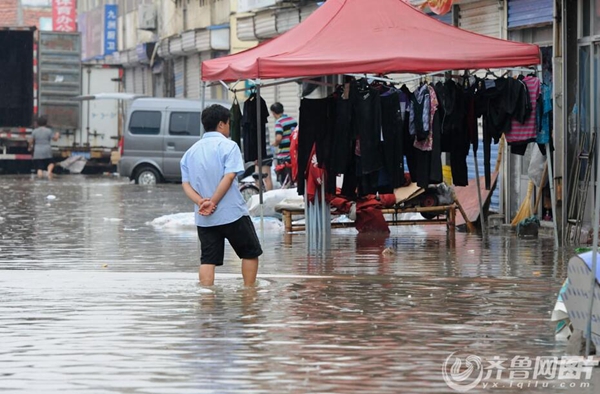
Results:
481 215
552 195
596 217
260 148
323 218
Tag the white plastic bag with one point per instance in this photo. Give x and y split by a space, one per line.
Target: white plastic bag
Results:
536 166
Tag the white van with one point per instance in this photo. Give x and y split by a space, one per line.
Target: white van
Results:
159 131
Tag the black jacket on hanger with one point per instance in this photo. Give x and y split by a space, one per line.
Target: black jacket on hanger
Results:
249 128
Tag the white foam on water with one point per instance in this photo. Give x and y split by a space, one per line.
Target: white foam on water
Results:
176 220
186 220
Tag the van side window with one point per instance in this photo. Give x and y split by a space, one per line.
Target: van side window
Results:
145 122
185 123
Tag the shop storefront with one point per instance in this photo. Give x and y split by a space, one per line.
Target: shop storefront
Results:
582 74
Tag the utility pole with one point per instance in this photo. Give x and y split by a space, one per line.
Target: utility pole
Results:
19 13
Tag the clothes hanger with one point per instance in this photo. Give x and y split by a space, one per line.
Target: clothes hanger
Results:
490 73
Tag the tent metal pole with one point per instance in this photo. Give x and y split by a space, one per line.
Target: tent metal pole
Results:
260 158
306 219
421 76
203 96
552 195
477 182
307 80
323 218
225 85
596 218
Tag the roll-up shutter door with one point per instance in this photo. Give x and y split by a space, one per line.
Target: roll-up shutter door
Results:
481 17
524 13
179 73
245 29
268 94
129 79
192 76
287 19
307 10
265 24
287 94
148 82
138 80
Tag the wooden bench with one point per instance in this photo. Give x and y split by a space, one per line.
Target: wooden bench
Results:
449 211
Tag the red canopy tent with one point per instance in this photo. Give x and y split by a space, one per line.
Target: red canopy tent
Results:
366 36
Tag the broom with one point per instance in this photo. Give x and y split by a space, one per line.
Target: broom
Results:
525 209
541 189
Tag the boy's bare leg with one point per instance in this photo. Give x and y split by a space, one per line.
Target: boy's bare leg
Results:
40 173
249 271
207 274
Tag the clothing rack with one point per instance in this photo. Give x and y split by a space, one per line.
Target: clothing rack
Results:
374 78
256 83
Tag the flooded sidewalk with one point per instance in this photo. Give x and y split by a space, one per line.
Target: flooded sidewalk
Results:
93 298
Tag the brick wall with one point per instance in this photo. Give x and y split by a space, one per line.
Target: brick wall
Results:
31 15
8 12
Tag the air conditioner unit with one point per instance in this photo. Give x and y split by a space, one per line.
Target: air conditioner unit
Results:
146 17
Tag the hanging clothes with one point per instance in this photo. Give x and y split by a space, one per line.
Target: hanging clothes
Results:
522 133
317 118
235 122
545 115
315 176
393 135
426 174
420 113
407 138
499 101
366 120
471 116
249 128
435 171
431 104
342 148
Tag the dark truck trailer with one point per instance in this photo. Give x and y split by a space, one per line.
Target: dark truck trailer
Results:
40 74
16 77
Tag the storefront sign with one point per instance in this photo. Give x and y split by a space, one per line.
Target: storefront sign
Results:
110 29
249 5
64 15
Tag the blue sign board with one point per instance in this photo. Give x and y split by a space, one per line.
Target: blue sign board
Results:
110 28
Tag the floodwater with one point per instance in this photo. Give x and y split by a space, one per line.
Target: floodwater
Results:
95 299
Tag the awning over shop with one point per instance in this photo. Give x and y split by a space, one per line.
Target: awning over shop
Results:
365 36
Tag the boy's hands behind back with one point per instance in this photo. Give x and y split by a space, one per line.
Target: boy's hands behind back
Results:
207 207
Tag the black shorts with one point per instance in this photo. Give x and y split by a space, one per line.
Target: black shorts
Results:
240 234
42 164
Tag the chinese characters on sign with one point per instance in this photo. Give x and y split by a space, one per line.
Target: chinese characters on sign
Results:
110 29
64 15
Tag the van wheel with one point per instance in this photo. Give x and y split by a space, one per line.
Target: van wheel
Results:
147 176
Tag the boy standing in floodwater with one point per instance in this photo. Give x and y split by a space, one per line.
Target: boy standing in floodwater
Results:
209 171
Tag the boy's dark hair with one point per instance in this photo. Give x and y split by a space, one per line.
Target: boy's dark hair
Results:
41 120
277 108
211 116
